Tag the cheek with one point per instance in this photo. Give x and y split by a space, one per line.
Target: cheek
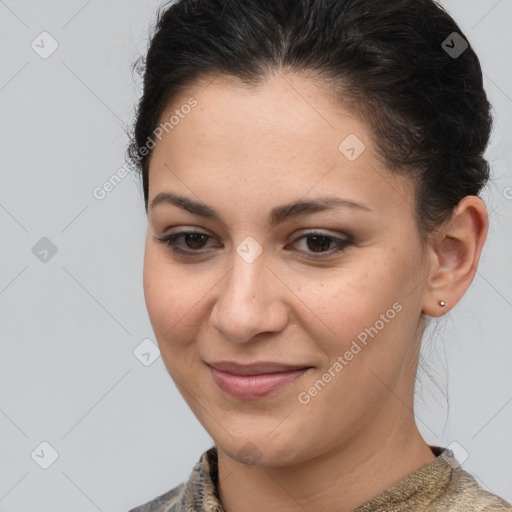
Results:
157 292
374 318
177 299
350 299
169 296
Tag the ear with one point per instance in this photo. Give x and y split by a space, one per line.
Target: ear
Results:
454 255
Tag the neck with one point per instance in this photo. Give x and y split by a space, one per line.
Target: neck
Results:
345 477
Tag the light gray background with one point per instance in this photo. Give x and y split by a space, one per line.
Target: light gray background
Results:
69 326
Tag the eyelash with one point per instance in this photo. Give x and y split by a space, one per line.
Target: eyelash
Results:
170 241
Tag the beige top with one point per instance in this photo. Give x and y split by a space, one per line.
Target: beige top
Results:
440 485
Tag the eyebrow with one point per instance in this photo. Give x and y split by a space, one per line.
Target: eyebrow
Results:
278 214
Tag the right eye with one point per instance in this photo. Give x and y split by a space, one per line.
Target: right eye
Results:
193 239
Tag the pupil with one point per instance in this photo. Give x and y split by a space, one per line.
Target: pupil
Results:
314 247
197 235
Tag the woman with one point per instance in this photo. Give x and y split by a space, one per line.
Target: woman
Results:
311 171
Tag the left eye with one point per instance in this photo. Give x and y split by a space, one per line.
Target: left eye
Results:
321 241
196 240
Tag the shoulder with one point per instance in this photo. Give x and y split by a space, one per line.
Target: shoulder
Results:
192 494
164 503
466 494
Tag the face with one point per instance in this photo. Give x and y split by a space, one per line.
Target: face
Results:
336 289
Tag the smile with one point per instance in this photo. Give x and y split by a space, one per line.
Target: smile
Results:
257 385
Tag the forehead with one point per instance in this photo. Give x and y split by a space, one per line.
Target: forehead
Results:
282 111
283 136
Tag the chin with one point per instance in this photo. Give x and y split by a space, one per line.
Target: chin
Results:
262 447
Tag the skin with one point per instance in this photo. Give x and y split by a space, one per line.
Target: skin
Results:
243 152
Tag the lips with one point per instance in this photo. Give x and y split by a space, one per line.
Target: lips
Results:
255 368
255 380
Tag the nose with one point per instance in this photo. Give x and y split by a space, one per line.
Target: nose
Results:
251 301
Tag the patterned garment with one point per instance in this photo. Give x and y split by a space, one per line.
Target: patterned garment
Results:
441 485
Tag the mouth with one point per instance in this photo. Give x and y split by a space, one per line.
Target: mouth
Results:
256 380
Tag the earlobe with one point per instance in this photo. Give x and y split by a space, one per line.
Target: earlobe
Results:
455 252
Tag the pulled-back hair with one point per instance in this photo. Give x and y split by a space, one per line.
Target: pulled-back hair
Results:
387 61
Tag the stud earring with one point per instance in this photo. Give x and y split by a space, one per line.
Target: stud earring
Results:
442 303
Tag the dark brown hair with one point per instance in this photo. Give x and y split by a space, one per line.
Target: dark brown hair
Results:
395 63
